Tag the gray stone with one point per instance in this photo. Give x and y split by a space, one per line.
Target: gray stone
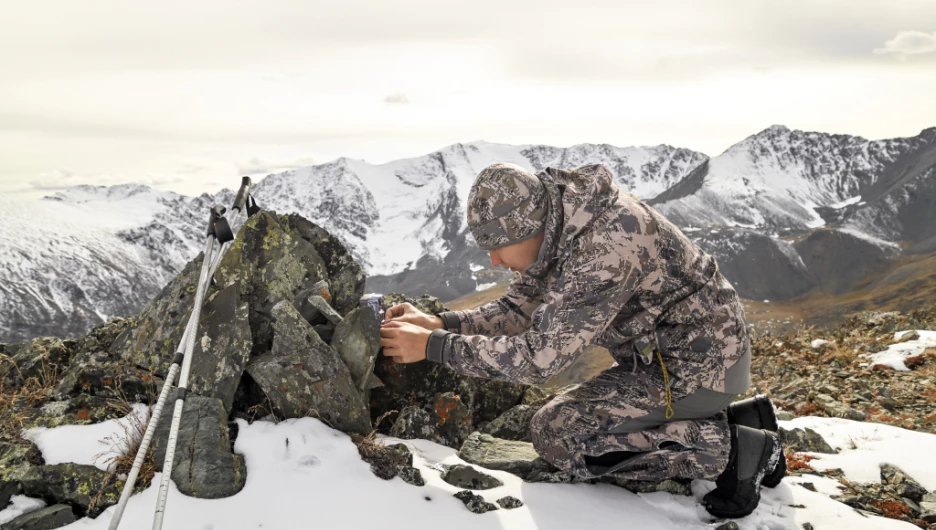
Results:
833 408
205 466
15 459
86 488
475 503
303 376
39 358
928 508
469 478
910 335
509 503
674 486
518 458
79 410
445 420
47 518
411 476
730 525
513 424
357 341
223 346
97 374
345 277
783 415
804 440
903 485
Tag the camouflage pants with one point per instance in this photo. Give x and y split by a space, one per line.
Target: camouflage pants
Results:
615 424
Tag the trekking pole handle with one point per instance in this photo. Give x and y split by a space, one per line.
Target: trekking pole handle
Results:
242 194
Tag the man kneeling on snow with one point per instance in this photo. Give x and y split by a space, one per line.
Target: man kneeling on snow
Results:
599 266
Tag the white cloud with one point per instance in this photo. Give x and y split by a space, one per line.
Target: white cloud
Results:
256 165
909 43
398 98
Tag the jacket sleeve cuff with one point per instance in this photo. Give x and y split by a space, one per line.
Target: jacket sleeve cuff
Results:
435 348
450 321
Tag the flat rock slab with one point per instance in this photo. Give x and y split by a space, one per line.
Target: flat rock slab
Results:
47 518
357 341
518 458
205 466
445 420
469 478
513 424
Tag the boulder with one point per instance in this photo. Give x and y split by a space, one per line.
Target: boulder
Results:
513 424
902 484
40 358
205 465
357 341
302 375
509 503
82 409
47 518
86 488
474 503
95 373
804 441
16 458
445 420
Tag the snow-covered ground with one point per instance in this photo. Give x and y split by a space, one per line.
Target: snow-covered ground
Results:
317 480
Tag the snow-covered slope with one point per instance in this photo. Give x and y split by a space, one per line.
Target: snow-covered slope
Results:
302 474
784 180
92 252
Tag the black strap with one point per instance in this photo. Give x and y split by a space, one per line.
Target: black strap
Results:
252 207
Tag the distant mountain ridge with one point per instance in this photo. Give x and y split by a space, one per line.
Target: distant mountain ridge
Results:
89 252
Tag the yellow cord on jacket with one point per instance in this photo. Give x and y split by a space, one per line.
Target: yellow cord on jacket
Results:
669 395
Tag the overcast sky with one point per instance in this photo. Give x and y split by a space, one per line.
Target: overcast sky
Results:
189 95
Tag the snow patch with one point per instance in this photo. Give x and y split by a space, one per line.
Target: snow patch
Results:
847 202
485 286
895 354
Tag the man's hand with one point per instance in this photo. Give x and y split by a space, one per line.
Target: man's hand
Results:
404 342
405 312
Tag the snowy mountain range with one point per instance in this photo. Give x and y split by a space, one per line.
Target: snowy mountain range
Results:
791 202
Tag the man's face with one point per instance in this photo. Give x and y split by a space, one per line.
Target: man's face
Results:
519 256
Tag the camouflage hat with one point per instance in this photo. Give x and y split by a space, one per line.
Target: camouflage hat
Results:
507 204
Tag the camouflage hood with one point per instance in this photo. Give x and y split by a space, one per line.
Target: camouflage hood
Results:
575 199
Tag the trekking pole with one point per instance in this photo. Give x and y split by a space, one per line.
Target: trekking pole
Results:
191 328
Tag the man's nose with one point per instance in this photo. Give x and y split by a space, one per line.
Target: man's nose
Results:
495 261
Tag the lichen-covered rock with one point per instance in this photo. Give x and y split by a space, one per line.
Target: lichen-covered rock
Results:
345 277
304 376
47 518
412 476
15 459
445 420
804 440
205 465
101 338
513 424
474 503
388 461
40 358
417 384
469 478
85 488
271 264
509 503
150 339
95 373
518 458
357 341
222 346
79 410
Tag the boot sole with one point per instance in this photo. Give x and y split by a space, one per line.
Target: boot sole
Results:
776 476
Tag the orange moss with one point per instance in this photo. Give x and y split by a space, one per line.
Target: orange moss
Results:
893 509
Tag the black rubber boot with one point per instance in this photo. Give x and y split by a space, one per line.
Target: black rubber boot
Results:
758 413
753 453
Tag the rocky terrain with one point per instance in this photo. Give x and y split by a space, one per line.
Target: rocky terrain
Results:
282 335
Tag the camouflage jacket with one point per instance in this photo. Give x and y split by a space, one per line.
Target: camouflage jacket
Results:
613 272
